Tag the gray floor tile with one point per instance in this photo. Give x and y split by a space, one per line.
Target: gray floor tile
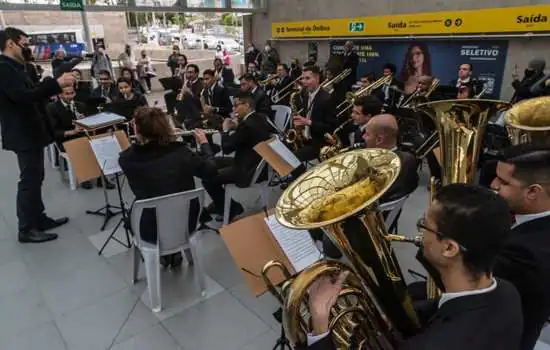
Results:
81 287
44 337
95 327
15 279
265 341
21 312
262 306
9 250
220 266
156 338
218 323
140 320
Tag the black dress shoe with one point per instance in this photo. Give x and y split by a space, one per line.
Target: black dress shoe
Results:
87 185
236 210
35 236
48 223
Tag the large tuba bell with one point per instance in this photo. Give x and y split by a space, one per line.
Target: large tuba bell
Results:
529 121
340 196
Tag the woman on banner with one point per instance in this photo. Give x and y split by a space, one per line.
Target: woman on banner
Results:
416 64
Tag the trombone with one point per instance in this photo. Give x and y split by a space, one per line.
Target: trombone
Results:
338 78
268 80
347 104
283 93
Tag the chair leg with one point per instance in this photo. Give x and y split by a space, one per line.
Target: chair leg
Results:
227 205
194 245
136 258
264 193
72 179
152 270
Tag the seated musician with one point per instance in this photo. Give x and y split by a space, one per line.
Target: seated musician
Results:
83 89
188 102
239 136
106 88
523 180
466 84
127 92
463 231
224 75
282 85
420 94
367 79
364 108
181 65
129 74
390 93
317 115
252 68
262 104
158 166
337 90
217 104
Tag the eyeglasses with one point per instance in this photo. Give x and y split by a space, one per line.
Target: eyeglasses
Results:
421 226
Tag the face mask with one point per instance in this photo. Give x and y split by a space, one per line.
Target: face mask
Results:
267 48
529 73
26 52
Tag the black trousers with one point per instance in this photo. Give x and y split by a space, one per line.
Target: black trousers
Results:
228 173
30 207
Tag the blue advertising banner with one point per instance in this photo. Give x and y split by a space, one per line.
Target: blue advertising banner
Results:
437 58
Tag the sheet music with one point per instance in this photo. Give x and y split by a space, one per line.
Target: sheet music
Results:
278 147
296 244
100 119
107 150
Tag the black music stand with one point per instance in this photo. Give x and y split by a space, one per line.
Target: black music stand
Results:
282 343
124 221
108 211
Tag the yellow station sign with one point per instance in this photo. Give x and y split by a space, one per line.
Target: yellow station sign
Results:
484 21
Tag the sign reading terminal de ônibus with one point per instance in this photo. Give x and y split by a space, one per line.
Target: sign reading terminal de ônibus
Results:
71 5
522 19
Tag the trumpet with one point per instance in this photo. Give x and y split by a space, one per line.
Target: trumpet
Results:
347 104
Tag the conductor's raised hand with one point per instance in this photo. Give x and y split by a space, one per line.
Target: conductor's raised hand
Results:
65 80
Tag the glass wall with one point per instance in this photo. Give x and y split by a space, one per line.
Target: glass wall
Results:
150 5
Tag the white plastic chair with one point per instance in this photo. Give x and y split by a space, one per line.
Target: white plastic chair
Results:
64 157
172 236
393 208
49 152
282 116
231 189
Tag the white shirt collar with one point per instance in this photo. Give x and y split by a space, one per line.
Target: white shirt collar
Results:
254 90
449 296
248 115
67 104
314 93
363 127
521 219
462 81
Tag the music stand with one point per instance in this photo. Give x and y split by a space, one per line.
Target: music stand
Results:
86 167
170 83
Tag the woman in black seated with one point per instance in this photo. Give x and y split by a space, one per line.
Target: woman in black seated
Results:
129 74
128 93
158 166
83 89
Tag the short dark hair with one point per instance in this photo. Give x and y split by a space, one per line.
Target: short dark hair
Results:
11 33
313 69
194 67
218 59
371 105
245 97
124 80
105 72
284 65
209 72
182 55
369 75
126 69
249 77
469 65
531 163
478 219
391 67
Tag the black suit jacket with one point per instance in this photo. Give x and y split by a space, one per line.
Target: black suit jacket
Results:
407 180
323 111
23 120
262 103
155 170
393 94
248 134
228 77
218 97
525 262
112 92
350 61
478 322
282 84
62 119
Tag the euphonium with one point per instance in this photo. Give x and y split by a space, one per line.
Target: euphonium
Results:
340 196
460 129
529 121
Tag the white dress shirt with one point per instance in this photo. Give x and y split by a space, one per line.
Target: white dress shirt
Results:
521 219
445 297
307 129
70 105
460 82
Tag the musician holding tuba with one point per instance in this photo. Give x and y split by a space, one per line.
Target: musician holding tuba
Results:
461 238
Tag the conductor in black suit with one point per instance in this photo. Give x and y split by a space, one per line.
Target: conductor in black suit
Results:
26 131
523 179
350 60
463 231
239 136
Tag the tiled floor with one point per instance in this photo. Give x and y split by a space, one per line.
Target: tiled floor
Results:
62 295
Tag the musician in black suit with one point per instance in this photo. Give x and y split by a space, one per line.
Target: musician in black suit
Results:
463 231
295 69
225 75
83 89
390 93
262 103
188 101
523 179
240 137
282 85
26 131
317 114
532 83
466 84
62 114
217 104
106 88
157 166
350 60
364 108
127 92
337 90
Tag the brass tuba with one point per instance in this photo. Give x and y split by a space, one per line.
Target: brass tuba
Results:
529 121
340 196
